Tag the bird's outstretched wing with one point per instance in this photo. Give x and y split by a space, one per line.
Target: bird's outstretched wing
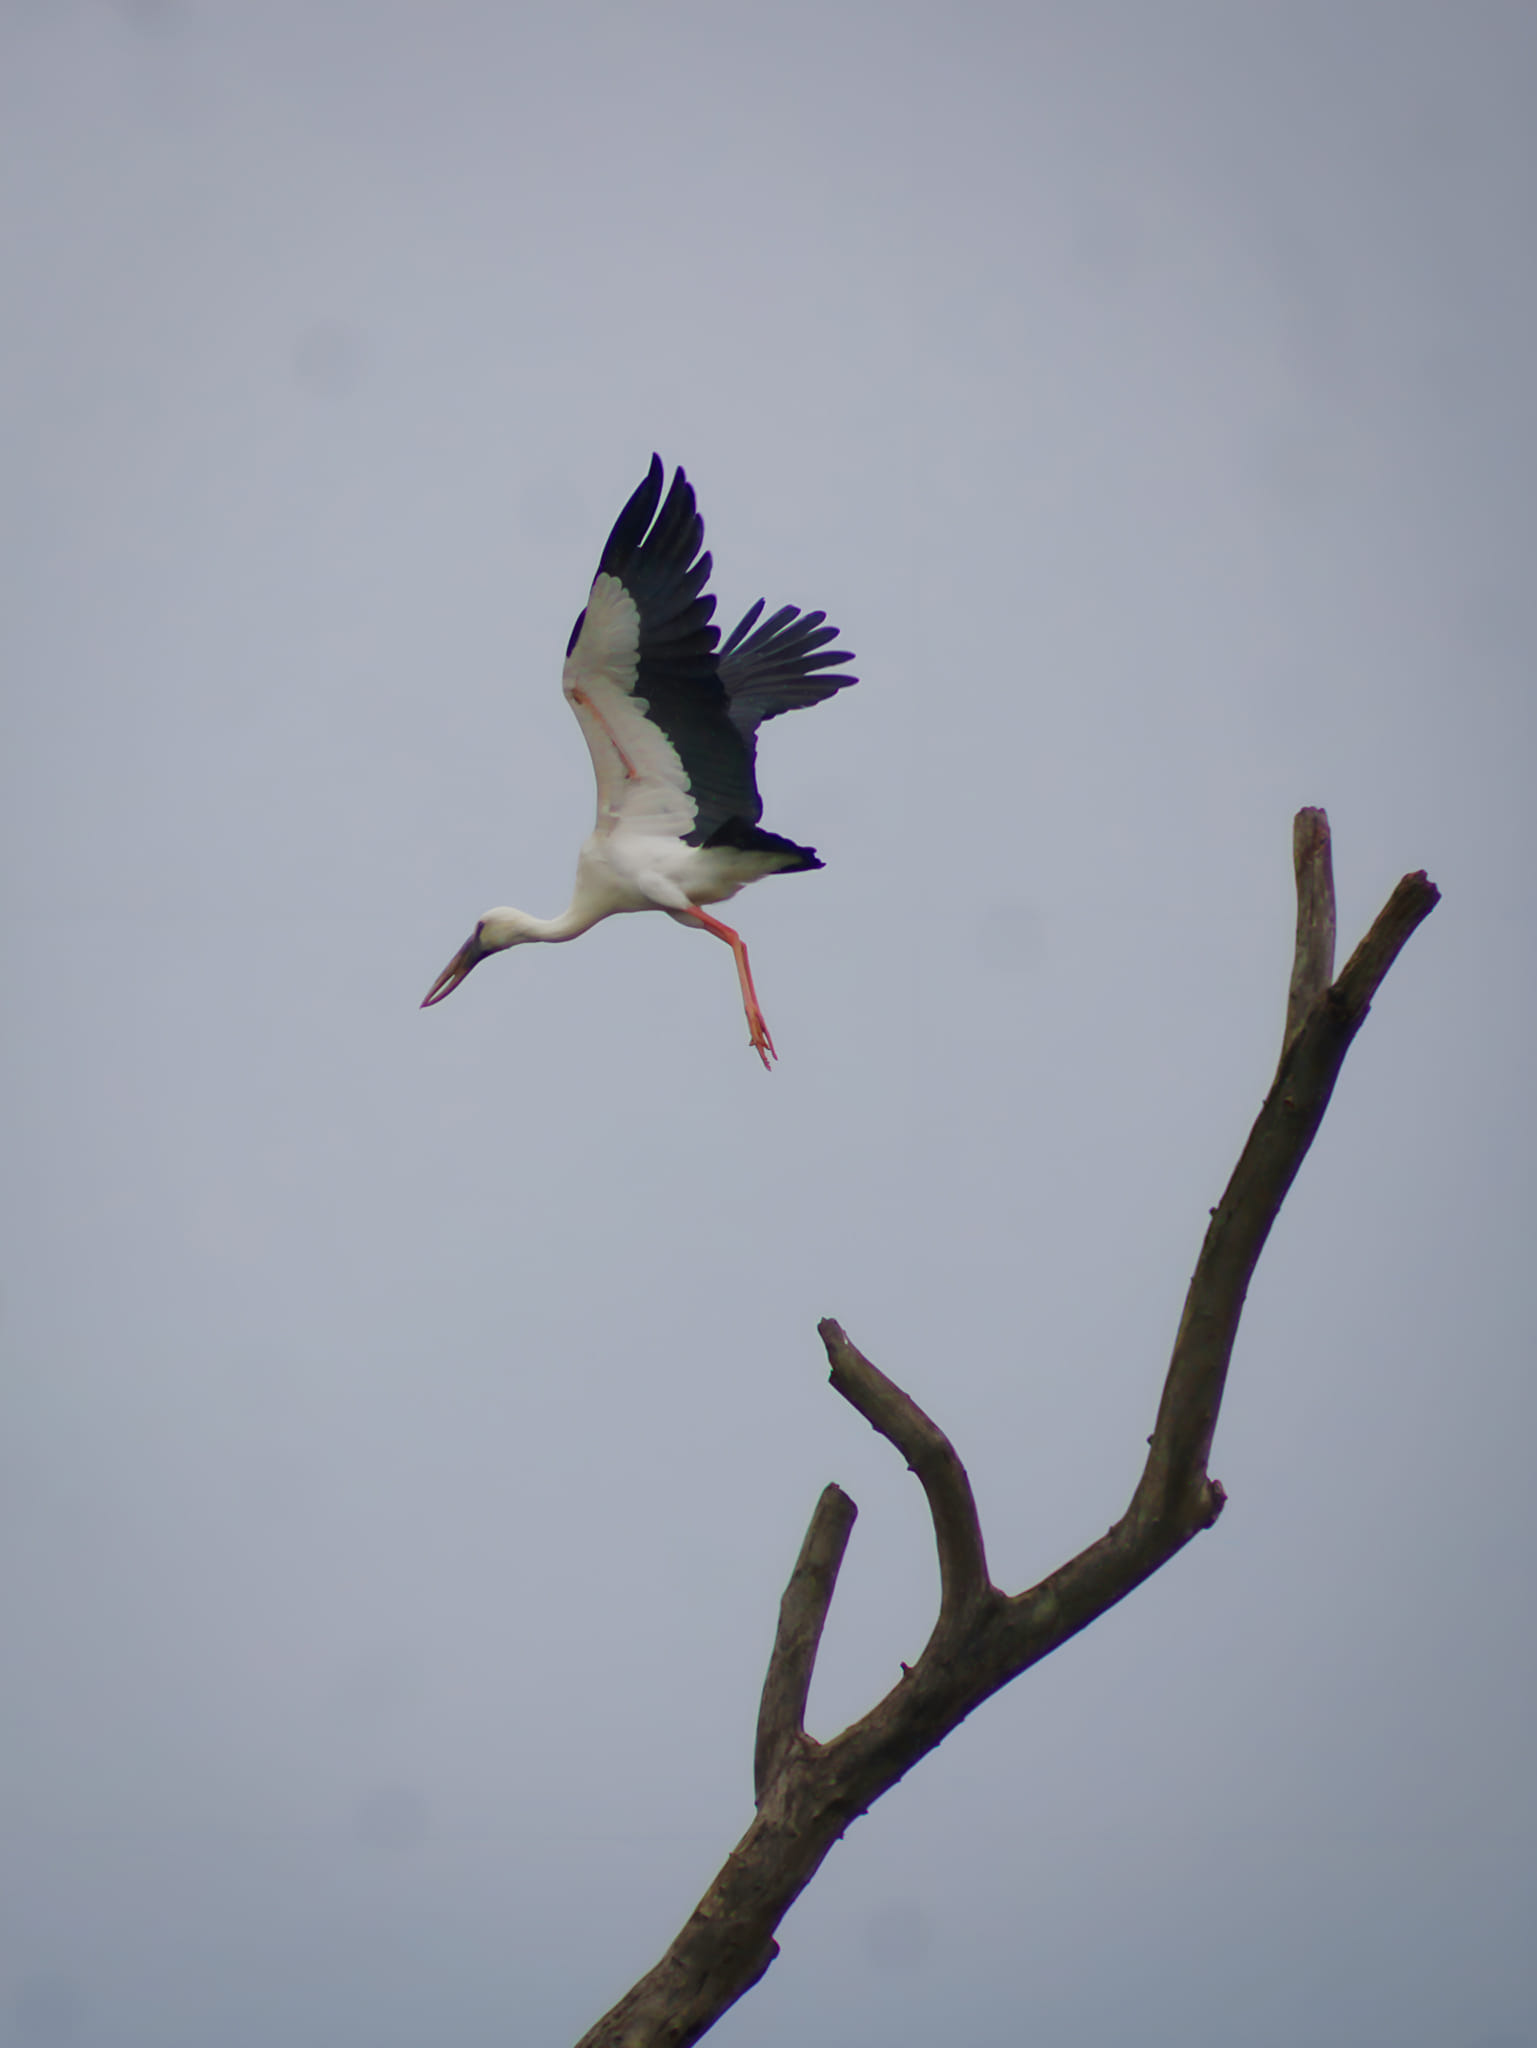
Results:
641 676
785 664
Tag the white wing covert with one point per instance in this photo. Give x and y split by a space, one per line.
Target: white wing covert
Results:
640 778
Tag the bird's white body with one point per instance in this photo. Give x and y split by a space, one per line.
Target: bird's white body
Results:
671 728
625 869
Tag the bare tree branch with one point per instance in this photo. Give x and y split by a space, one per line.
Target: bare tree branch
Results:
930 1455
1395 924
802 1611
1174 1490
808 1792
1313 960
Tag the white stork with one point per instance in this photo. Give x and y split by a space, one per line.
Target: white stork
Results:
671 722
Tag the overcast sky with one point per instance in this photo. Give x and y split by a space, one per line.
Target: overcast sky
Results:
407 1420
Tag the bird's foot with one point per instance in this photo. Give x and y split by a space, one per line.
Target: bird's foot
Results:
762 1044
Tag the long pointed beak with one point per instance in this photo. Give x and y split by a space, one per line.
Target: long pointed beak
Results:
469 955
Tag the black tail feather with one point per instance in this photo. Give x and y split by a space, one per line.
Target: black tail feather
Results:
753 839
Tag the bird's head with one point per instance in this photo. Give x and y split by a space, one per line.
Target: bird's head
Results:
494 933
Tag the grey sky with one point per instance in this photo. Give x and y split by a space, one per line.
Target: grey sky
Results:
407 1421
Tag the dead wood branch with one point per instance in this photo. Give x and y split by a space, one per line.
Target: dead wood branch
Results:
1313 958
802 1611
963 1580
809 1792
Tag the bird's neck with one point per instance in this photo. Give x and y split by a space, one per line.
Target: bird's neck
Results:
571 923
593 899
516 927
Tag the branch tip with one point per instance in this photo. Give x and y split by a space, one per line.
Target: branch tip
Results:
802 1616
931 1457
1411 902
1313 955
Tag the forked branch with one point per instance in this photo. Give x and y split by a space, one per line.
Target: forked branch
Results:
809 1792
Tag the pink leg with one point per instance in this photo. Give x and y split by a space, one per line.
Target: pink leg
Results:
757 1029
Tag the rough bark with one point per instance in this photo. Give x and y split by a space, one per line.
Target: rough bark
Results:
809 1792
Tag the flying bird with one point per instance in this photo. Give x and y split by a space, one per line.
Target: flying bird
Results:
671 721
